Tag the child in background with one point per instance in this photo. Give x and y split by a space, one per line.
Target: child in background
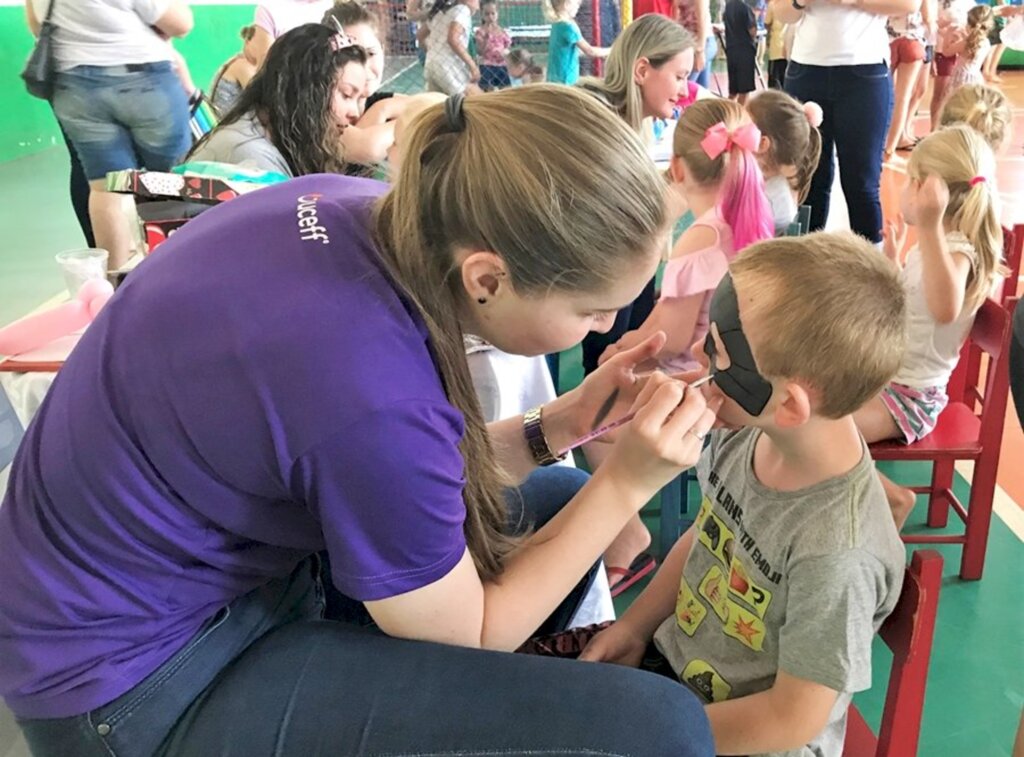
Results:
984 109
778 61
492 44
740 48
972 47
236 72
714 166
522 69
951 199
450 68
789 150
566 43
950 24
767 606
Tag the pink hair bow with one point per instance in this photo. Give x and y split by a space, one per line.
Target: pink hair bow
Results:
718 138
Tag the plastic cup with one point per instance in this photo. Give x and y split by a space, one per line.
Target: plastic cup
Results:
80 266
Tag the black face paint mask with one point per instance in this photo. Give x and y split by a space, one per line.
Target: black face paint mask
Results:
740 381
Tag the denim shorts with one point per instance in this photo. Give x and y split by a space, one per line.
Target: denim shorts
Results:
118 117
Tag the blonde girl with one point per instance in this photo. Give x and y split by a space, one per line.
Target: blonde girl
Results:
951 199
984 109
971 48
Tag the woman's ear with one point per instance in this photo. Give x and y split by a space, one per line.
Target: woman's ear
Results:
640 70
484 274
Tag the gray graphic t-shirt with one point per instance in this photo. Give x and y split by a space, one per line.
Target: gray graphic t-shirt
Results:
798 581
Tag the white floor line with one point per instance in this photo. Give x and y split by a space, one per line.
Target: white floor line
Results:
1002 503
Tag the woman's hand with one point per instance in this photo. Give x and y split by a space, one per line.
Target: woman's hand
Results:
894 237
617 644
665 437
474 72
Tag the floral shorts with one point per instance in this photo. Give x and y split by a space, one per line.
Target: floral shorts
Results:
916 411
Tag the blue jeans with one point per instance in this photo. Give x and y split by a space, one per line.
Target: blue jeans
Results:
703 77
117 117
266 676
857 106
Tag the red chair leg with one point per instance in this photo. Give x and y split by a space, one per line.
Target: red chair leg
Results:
938 505
979 520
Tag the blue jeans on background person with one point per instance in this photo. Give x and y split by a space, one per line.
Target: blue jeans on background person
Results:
266 675
119 117
703 77
857 104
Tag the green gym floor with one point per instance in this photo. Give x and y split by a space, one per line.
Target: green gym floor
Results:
976 686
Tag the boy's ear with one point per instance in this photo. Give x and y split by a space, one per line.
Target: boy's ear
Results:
794 407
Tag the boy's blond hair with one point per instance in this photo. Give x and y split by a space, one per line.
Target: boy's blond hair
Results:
832 314
984 109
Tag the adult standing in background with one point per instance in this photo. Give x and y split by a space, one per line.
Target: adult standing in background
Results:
695 16
276 17
117 96
840 60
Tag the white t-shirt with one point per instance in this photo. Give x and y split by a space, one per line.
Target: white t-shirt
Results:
105 32
933 348
839 35
439 52
276 17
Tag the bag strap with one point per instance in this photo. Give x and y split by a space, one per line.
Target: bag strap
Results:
49 11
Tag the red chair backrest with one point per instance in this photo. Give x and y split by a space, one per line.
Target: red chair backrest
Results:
1013 244
990 336
908 632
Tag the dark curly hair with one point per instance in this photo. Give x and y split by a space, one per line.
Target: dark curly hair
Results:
291 95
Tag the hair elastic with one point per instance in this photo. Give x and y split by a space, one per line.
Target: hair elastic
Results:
453 112
978 180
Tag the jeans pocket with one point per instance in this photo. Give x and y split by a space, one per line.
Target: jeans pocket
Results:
869 73
122 708
796 71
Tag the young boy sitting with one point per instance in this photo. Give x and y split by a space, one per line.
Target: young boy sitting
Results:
767 606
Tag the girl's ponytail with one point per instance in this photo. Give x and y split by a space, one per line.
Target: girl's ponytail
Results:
978 220
744 205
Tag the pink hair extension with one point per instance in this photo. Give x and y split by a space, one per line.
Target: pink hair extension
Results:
742 201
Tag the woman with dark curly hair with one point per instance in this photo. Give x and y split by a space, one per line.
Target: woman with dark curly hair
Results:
291 116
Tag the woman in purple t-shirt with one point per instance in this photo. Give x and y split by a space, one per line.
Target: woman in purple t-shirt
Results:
286 383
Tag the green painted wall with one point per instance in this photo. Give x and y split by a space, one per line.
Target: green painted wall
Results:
27 125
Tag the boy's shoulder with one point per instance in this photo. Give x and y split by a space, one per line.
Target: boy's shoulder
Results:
843 514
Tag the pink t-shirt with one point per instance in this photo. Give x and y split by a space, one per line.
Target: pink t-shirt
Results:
492 46
698 272
276 17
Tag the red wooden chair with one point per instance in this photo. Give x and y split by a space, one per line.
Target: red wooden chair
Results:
964 433
1013 244
908 632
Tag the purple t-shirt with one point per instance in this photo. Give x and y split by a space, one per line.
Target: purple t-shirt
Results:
255 392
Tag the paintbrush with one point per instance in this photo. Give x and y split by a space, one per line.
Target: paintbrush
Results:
601 431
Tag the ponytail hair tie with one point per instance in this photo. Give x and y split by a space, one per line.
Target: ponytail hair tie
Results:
978 180
813 113
718 138
453 112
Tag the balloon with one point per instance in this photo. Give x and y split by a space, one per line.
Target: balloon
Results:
34 331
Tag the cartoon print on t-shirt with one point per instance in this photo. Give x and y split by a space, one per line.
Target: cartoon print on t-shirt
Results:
690 613
715 590
717 537
706 681
741 585
744 626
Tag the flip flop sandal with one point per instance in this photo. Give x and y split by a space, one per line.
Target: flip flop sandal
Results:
643 565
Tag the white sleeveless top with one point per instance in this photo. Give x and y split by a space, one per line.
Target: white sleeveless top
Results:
933 348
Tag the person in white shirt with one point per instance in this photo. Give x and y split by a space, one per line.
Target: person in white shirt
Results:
117 96
840 60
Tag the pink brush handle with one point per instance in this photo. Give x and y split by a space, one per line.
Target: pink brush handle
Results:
602 430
